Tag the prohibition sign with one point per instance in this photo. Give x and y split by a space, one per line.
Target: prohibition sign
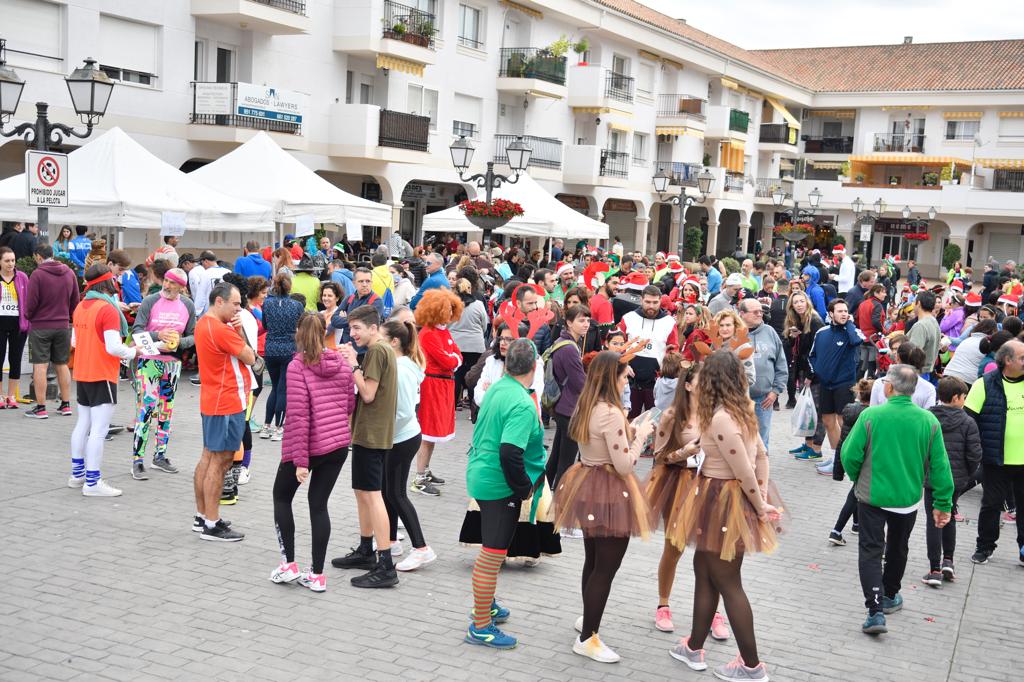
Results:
48 171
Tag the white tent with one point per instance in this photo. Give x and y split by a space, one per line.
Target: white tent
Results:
543 215
261 172
114 181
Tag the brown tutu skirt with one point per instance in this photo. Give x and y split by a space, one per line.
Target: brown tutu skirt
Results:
715 516
601 503
665 490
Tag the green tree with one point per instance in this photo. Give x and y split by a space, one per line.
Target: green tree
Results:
950 255
731 265
693 243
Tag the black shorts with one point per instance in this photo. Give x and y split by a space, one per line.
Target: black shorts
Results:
94 393
367 468
833 400
498 521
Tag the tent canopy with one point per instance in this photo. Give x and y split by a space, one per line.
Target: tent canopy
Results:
543 215
116 182
261 172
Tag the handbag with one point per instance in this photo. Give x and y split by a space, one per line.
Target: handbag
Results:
259 365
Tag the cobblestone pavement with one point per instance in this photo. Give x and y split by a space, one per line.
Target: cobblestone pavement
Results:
121 589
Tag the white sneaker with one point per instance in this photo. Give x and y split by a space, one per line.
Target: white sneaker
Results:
278 434
76 482
101 489
285 573
596 649
396 548
400 535
266 432
572 533
244 476
416 558
579 624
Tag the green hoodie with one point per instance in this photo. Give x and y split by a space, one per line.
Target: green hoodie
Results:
888 450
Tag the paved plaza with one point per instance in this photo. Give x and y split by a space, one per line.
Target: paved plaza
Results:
121 589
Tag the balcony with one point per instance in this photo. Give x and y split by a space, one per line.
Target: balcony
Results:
739 121
727 123
533 71
779 137
680 111
763 187
614 164
1008 181
899 142
593 165
547 151
273 17
594 90
679 174
817 144
404 131
234 112
619 87
406 42
370 132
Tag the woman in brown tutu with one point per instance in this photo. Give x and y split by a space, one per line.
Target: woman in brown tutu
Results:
600 494
726 513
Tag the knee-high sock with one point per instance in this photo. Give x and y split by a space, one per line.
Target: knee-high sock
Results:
99 425
78 440
485 580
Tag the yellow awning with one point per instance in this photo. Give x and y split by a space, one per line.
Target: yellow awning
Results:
736 144
528 11
826 165
911 107
678 130
731 153
908 160
1011 114
602 110
644 54
671 62
777 106
834 113
621 127
1002 164
731 84
961 115
395 64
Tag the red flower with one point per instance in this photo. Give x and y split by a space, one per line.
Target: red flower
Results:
499 208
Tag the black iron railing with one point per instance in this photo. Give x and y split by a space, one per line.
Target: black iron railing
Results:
463 129
409 24
679 173
236 121
531 62
614 164
778 133
405 131
733 182
294 6
1008 181
739 120
682 105
547 151
818 144
619 87
899 142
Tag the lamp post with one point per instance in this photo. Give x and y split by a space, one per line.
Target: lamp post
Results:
90 91
518 154
863 215
780 196
705 180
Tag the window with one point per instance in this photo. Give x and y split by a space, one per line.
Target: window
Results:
127 75
225 65
463 129
470 28
962 130
832 129
639 150
645 80
38 38
1011 129
466 115
349 79
128 50
620 65
198 70
423 102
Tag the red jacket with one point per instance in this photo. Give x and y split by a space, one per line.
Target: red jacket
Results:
870 317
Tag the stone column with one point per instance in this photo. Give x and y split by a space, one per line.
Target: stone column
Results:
712 243
744 229
640 237
676 231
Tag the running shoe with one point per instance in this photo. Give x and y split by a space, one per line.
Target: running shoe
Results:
595 649
1009 516
808 455
228 498
490 636
220 533
719 630
64 409
947 570
139 471
416 559
194 380
100 489
432 478
663 619
316 582
736 671
266 432
579 624
572 533
836 538
932 578
693 659
355 559
278 435
75 482
855 528
376 577
825 469
244 476
198 525
285 573
396 548
800 448
10 403
980 557
422 485
499 614
892 605
164 464
38 412
874 625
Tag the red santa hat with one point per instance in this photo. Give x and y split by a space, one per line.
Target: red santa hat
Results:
634 281
591 274
957 285
660 253
1012 297
564 266
973 300
675 267
672 257
839 250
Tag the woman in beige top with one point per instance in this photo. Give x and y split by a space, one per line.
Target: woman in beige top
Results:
726 513
601 494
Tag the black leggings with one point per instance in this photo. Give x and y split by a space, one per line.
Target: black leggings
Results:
396 490
323 473
714 578
468 361
14 341
849 509
602 559
277 368
563 452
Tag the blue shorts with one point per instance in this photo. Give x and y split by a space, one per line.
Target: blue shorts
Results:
223 433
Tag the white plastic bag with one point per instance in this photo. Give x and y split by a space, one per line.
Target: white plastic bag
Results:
804 420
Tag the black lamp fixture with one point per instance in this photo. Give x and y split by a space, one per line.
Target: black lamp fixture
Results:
518 154
780 196
705 181
877 209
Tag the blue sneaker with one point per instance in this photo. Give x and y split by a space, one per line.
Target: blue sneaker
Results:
892 605
490 636
1022 556
499 614
808 455
874 625
797 450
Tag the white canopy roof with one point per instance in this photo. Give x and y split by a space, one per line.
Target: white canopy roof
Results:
114 181
261 172
543 215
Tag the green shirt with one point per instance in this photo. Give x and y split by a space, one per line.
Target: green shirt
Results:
309 286
373 425
1013 436
508 415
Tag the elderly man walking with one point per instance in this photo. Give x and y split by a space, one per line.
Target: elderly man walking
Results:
435 278
886 455
771 370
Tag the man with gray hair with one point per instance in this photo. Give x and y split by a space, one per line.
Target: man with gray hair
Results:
435 278
886 455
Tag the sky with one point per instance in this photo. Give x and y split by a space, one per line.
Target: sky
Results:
754 24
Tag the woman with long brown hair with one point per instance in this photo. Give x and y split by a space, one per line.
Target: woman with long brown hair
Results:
283 263
691 326
726 513
802 323
600 494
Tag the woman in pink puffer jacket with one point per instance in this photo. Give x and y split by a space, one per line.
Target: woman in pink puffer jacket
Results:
321 400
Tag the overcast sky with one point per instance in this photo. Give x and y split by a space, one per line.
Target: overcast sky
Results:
754 24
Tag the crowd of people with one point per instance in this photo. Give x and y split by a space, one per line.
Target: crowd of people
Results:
917 387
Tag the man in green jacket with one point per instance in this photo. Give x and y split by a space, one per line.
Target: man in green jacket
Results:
886 455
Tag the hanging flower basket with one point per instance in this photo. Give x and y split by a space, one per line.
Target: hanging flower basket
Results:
794 233
487 222
918 236
490 216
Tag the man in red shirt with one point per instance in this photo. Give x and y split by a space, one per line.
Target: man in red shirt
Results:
601 303
223 392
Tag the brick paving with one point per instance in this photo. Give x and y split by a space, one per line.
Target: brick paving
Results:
121 589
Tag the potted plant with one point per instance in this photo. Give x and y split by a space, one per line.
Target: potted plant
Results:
580 47
490 216
794 233
917 236
860 178
844 172
706 161
930 179
559 47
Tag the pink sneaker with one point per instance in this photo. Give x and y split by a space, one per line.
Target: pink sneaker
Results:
1010 516
285 573
663 619
694 659
314 581
719 630
10 403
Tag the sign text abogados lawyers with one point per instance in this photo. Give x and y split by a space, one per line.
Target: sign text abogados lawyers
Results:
46 179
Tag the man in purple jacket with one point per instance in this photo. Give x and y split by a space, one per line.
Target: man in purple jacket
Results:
49 303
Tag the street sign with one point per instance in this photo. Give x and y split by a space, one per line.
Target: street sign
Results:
865 232
46 179
172 224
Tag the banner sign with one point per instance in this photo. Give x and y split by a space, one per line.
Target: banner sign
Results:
212 99
274 104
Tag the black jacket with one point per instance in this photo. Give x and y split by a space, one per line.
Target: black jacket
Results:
854 297
963 443
777 315
850 415
23 244
991 420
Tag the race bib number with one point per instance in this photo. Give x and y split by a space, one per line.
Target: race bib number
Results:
8 308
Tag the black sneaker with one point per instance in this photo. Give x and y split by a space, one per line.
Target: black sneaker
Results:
377 577
855 528
164 464
836 538
980 557
194 380
38 412
434 479
198 525
932 578
139 471
947 569
64 409
221 533
356 559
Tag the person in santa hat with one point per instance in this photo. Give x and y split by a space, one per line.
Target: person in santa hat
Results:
565 274
952 322
631 286
1009 301
847 269
972 306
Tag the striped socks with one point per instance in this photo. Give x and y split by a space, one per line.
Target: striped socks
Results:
77 467
92 477
485 580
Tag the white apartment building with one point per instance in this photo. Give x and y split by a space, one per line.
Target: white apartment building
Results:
370 94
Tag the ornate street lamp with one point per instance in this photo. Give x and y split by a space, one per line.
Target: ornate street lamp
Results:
518 154
705 180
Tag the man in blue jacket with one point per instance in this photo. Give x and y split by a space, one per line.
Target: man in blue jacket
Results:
252 263
435 278
80 247
811 275
833 359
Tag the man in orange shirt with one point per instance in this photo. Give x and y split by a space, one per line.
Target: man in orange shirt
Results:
224 389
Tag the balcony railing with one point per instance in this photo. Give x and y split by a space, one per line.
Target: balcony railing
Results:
682 105
733 182
531 62
1008 181
463 129
619 87
763 187
409 24
817 144
680 174
739 120
547 151
223 97
614 164
778 133
294 6
405 131
899 142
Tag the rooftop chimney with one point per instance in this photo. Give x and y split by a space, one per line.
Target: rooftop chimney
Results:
907 40
681 20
